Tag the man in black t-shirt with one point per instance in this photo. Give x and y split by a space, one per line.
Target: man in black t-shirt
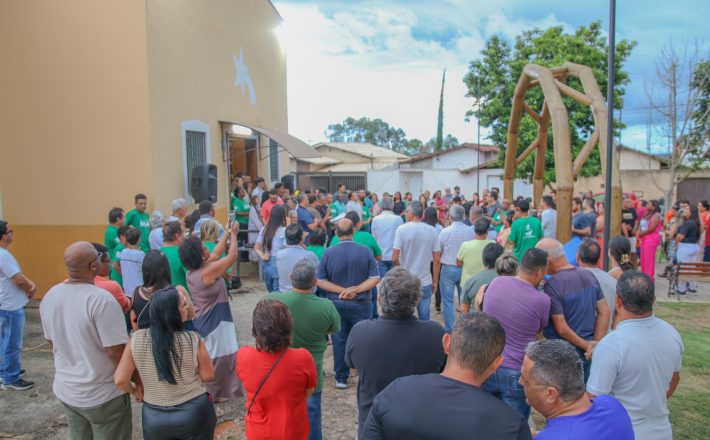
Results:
395 345
451 405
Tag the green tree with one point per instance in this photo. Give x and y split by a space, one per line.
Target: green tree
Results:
440 122
500 66
448 142
374 131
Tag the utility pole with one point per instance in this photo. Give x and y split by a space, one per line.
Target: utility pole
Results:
611 79
478 136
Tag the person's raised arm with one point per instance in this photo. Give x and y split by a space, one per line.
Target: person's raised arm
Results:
186 297
215 269
220 247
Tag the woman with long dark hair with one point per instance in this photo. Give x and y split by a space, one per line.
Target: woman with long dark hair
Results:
431 218
278 379
156 276
399 204
649 235
172 364
619 256
270 241
687 238
213 317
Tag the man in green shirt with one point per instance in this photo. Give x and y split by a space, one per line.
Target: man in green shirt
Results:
172 238
313 319
361 237
525 232
240 206
139 219
116 219
497 220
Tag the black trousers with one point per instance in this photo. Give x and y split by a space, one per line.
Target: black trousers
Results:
194 420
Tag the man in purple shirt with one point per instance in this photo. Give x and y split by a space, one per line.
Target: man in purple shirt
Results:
553 380
523 311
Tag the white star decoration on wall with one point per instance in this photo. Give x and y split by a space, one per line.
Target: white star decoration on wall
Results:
242 78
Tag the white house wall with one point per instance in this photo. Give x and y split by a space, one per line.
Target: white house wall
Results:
380 181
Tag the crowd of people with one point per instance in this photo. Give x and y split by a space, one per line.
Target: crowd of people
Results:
529 322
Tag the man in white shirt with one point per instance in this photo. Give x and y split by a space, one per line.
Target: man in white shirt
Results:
450 241
259 188
416 246
639 362
87 332
15 291
548 217
383 229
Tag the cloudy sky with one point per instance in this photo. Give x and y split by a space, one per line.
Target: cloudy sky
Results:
384 59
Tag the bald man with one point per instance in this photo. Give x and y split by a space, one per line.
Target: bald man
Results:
579 314
347 273
86 329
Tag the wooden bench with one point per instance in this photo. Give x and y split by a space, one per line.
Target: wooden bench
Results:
687 272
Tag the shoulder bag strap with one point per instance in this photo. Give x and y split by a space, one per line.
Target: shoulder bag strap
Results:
256 393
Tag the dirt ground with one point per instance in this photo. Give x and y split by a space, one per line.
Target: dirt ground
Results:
36 413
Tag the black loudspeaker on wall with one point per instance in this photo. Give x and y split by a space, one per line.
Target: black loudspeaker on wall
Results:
204 183
289 182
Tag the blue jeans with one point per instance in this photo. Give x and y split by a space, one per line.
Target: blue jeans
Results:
449 279
384 267
425 304
350 314
314 416
271 275
504 384
12 323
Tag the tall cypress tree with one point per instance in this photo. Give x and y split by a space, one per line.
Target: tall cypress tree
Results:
440 124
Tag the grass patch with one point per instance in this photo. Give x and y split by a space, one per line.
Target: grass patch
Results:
690 403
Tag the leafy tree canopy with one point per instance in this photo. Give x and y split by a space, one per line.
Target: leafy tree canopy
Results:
499 67
380 133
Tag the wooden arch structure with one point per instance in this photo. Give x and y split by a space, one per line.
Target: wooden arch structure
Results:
552 83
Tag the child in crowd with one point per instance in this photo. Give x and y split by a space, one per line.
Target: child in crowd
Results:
131 260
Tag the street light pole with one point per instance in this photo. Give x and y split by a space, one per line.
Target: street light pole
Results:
611 78
478 136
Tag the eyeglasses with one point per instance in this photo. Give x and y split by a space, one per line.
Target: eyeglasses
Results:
100 256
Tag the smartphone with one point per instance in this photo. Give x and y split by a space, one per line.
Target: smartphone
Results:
231 218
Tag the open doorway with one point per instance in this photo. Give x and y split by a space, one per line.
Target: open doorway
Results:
244 153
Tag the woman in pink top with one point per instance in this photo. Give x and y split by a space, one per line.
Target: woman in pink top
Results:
649 235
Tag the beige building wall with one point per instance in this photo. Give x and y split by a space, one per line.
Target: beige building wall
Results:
93 97
629 160
74 118
191 50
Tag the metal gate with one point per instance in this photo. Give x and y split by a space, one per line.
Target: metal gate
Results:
330 181
694 190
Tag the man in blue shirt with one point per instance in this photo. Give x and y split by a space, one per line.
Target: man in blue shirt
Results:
305 219
347 273
580 222
579 313
553 382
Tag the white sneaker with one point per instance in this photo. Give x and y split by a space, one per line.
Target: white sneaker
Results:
341 385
